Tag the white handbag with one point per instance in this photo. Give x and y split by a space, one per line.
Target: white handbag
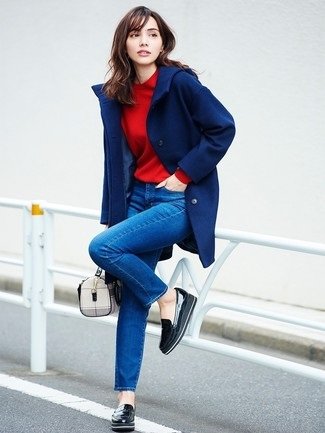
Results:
96 298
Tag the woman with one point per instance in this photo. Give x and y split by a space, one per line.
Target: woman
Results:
164 133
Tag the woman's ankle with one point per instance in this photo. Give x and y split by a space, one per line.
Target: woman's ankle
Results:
167 304
126 397
168 297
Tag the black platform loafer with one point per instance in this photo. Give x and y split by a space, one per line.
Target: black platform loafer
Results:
123 418
173 332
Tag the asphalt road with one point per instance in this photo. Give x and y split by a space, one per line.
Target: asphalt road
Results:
189 390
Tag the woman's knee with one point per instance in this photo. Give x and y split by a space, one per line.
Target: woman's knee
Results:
101 248
94 249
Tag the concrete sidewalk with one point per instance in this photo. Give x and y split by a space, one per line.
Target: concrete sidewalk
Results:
236 328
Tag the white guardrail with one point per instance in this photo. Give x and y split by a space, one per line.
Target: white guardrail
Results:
38 288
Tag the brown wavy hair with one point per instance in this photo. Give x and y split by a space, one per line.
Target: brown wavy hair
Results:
121 69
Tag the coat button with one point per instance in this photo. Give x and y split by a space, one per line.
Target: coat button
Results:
160 142
194 201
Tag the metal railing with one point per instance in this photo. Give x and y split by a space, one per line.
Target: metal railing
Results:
38 287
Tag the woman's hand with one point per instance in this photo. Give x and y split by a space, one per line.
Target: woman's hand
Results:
172 184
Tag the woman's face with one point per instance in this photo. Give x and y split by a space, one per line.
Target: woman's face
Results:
144 46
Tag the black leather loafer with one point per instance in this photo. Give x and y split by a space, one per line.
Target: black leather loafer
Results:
123 418
173 332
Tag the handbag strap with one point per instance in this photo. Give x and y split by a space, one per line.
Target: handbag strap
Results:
99 271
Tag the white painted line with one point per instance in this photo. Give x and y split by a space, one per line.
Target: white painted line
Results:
74 402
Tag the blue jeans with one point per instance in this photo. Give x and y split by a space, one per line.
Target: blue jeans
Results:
130 251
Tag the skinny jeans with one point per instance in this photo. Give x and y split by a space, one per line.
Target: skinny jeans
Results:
130 251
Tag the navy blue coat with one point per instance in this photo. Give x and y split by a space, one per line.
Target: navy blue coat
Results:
188 128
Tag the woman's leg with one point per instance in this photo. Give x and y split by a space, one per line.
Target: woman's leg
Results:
130 337
133 315
130 251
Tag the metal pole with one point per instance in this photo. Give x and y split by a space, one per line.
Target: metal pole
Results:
27 256
38 313
185 277
196 321
48 297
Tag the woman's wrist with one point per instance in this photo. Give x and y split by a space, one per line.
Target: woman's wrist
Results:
182 176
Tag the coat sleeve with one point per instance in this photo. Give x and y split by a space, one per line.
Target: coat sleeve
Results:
217 132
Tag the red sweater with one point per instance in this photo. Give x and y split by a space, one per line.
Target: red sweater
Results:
149 168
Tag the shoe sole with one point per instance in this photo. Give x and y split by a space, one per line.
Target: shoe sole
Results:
121 427
181 334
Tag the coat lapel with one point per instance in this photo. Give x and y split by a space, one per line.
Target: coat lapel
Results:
163 83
